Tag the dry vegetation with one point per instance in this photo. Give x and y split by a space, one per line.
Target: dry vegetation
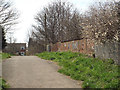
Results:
8 15
102 22
60 21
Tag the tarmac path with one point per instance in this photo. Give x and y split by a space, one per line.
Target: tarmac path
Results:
33 72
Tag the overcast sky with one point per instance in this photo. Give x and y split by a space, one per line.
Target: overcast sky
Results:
29 8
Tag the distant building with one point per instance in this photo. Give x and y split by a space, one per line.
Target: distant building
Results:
16 48
35 47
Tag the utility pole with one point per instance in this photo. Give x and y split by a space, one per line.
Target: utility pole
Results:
45 29
45 26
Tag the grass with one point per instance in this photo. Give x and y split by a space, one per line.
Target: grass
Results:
3 84
94 73
5 55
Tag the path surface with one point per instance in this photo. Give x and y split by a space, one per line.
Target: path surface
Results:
33 72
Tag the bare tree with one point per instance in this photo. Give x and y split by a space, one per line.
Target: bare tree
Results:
57 22
102 22
8 15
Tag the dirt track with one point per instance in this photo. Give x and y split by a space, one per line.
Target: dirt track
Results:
33 72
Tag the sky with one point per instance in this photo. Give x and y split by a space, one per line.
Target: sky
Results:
29 8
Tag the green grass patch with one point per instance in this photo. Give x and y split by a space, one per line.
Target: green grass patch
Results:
3 84
5 55
94 73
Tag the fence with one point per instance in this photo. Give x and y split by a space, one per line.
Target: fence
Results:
85 46
108 50
34 47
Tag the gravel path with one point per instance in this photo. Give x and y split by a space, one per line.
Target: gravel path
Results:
33 72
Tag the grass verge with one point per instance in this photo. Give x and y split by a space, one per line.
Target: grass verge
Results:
94 73
3 84
5 55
